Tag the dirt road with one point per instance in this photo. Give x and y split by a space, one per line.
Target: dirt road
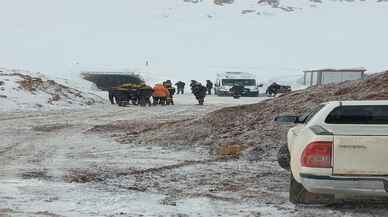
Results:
66 164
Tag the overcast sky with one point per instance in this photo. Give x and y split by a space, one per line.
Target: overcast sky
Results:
187 41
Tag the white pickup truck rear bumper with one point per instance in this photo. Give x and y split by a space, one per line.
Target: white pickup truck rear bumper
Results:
363 186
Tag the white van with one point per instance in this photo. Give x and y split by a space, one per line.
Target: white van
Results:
226 80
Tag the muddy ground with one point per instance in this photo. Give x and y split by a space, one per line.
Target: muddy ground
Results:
97 162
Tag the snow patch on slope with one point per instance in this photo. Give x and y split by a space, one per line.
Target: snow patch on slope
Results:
27 91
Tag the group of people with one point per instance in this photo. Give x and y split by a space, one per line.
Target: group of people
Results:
161 94
199 91
181 86
141 94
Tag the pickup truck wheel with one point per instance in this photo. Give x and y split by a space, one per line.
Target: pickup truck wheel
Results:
299 195
284 157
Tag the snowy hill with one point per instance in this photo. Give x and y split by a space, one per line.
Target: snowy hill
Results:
195 39
26 91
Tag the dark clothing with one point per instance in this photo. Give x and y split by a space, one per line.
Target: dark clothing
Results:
181 91
167 83
236 91
171 91
209 86
180 84
199 92
181 87
145 94
193 82
170 98
159 100
273 89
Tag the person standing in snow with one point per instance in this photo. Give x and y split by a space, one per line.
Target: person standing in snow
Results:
199 92
193 82
209 86
167 83
181 87
273 89
236 90
160 94
171 90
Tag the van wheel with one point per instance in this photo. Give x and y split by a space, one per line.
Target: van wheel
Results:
284 157
299 195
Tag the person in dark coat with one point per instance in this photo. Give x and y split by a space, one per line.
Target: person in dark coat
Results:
167 83
236 91
181 87
193 82
199 92
272 89
209 86
171 90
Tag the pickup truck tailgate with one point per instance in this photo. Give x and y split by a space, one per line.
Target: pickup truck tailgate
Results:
360 155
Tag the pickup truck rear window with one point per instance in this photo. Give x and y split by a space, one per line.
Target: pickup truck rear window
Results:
366 114
310 114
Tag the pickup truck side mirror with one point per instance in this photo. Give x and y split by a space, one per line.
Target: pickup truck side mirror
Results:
287 119
260 85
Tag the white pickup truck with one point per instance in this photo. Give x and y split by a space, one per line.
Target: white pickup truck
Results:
338 150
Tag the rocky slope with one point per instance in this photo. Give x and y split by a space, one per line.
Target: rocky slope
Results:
254 6
251 126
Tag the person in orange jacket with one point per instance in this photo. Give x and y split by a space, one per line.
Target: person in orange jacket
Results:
160 94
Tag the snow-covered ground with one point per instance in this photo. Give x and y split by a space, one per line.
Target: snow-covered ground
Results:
27 91
53 164
39 150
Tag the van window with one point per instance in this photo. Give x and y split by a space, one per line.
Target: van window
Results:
242 82
367 114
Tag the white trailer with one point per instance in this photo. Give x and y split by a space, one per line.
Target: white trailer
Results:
327 76
226 80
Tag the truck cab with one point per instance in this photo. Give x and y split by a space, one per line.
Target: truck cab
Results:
226 80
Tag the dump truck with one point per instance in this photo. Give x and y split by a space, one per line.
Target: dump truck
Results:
125 94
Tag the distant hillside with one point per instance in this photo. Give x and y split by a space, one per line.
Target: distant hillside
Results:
255 6
196 39
23 91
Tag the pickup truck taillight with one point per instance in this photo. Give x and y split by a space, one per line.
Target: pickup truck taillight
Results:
317 155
